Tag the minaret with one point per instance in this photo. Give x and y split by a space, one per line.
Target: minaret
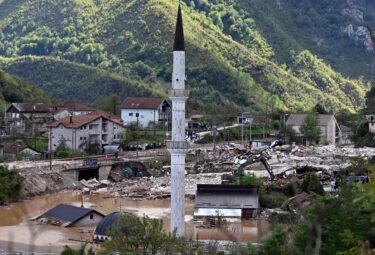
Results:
178 146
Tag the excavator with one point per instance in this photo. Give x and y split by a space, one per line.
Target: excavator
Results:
231 178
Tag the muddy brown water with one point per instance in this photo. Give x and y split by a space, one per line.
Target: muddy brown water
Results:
18 232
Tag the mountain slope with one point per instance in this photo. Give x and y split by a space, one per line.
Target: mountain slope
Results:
230 62
77 81
14 89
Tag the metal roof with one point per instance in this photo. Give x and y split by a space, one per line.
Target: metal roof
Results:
67 213
106 223
179 42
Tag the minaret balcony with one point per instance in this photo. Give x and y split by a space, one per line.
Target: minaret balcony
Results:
177 145
178 93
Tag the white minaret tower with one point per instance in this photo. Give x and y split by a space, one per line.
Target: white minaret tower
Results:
178 146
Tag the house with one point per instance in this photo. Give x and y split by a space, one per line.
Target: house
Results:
27 118
329 128
145 110
234 201
244 118
371 123
71 216
196 121
346 134
76 108
79 132
11 151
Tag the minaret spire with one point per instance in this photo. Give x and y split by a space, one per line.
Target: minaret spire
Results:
179 42
178 146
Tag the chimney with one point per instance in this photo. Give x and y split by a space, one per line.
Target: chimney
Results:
71 118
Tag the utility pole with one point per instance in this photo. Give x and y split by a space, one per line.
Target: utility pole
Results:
137 132
154 128
50 149
242 128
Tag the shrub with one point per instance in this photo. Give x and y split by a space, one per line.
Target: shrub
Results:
11 185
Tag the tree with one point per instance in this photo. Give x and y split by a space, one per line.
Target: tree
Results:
133 235
320 109
110 104
11 185
310 127
311 183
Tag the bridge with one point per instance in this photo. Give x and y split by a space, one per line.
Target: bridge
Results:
79 168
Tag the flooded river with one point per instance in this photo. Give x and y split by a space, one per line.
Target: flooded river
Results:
18 232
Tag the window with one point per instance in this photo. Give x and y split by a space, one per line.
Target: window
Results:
131 114
115 127
91 216
81 138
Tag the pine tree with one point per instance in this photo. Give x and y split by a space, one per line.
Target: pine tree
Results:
310 127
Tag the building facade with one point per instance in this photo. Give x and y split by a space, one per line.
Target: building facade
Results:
80 132
28 119
145 110
330 131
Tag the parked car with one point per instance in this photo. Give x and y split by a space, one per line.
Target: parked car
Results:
361 179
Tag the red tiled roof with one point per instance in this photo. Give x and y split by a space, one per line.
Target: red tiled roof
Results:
142 102
31 107
77 121
76 106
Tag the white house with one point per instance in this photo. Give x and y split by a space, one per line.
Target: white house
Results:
329 128
145 110
78 132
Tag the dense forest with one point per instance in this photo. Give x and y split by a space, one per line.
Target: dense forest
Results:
253 54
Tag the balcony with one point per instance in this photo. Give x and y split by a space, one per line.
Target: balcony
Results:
178 93
165 116
177 145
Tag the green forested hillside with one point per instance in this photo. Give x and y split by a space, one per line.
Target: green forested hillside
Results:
73 46
14 89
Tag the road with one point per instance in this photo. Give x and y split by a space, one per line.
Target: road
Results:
201 134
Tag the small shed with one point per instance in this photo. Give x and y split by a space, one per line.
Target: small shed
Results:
234 201
71 216
110 221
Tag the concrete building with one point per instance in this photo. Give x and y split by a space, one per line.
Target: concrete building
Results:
71 216
148 109
79 132
233 201
329 128
178 147
27 119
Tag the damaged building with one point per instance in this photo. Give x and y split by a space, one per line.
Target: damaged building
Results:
232 201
